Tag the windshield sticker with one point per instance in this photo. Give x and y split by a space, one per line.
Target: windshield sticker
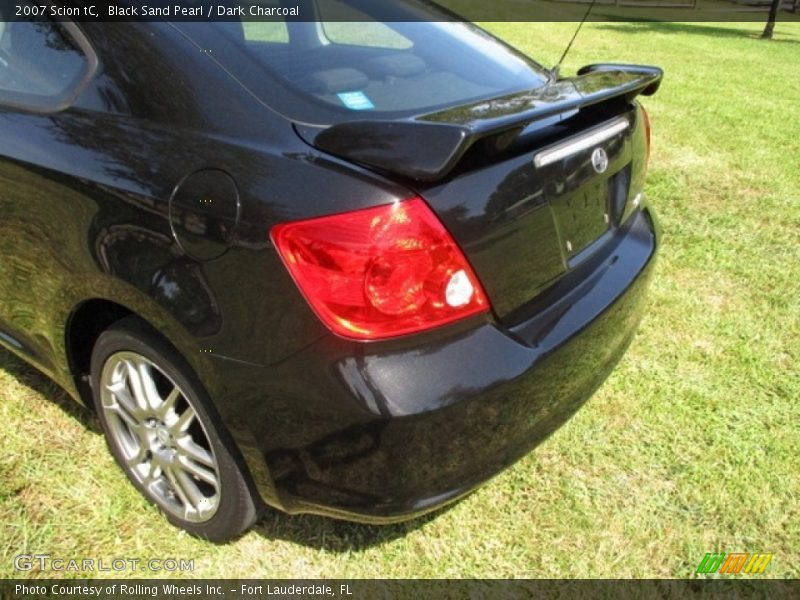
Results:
356 100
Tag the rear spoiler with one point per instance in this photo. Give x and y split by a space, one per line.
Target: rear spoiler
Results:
427 147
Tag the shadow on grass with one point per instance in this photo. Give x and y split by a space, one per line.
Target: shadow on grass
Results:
650 27
41 384
317 532
333 535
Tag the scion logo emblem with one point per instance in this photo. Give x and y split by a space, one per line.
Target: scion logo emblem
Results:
600 160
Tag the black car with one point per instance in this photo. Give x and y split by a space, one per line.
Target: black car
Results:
353 270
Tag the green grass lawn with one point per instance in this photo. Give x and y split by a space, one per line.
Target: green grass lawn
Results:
691 446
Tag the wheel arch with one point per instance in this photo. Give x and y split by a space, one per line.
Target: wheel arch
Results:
91 316
85 324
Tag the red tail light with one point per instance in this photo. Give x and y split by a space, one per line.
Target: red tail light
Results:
380 272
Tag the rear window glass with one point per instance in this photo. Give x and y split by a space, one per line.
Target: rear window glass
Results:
333 70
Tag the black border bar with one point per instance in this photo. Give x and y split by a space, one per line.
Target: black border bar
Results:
440 589
399 10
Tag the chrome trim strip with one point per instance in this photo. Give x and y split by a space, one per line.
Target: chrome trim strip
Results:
580 142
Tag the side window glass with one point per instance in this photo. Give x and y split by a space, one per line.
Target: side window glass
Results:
41 65
273 32
370 34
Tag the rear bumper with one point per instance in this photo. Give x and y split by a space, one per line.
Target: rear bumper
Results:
388 431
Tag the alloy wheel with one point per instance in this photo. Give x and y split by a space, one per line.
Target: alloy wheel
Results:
163 444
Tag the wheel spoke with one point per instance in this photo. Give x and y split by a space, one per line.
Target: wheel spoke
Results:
118 409
190 487
154 471
203 474
120 394
183 422
176 487
188 448
135 382
151 395
184 487
141 453
168 405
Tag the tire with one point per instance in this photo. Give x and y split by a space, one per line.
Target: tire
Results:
157 421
